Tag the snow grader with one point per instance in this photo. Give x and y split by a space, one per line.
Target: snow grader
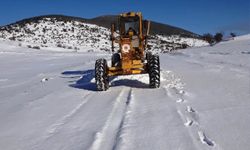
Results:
132 57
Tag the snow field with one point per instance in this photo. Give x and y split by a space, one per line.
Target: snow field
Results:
48 101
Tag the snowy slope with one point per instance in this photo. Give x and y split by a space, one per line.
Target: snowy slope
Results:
75 35
48 101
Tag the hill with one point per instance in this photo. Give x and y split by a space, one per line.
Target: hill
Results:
78 33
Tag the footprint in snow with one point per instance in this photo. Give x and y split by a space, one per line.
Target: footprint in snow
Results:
180 100
190 109
205 140
182 92
45 79
189 122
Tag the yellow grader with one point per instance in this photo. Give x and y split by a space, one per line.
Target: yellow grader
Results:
132 57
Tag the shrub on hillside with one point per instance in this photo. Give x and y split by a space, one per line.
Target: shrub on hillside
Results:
218 37
36 47
208 37
233 34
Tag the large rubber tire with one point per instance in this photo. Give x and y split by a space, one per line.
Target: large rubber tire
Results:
115 61
148 54
101 75
154 70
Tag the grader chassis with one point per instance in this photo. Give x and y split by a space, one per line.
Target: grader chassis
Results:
131 58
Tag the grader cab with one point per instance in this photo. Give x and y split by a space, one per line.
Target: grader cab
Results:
131 57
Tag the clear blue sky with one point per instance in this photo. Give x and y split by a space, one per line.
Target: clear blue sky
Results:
199 16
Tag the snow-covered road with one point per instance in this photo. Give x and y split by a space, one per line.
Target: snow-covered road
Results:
48 101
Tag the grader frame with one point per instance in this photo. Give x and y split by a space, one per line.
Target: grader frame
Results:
131 57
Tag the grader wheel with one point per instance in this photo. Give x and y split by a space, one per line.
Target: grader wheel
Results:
101 75
154 70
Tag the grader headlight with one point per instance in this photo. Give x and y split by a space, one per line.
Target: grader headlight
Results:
125 48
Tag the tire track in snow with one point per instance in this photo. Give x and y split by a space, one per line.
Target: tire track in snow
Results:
35 83
119 132
34 80
108 137
54 128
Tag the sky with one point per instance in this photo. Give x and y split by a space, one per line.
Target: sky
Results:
198 16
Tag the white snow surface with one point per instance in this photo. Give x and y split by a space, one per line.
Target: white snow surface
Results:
48 101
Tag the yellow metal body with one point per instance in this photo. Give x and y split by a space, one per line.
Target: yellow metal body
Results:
131 47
